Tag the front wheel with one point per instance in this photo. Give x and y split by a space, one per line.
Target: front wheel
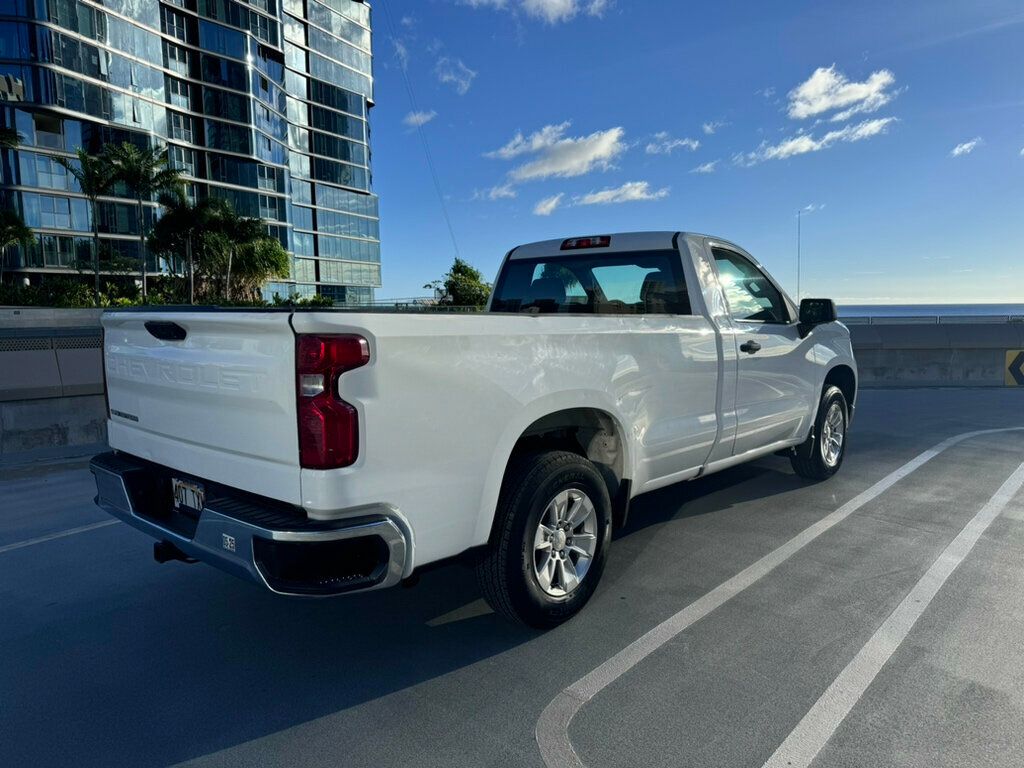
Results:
552 530
822 454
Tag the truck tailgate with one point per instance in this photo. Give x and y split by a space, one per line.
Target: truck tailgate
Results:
218 404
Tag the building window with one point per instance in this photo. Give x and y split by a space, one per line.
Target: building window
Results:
183 159
57 251
49 131
50 174
54 212
268 207
178 92
177 58
181 126
174 24
266 177
260 26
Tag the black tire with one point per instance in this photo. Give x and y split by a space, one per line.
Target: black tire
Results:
808 459
506 571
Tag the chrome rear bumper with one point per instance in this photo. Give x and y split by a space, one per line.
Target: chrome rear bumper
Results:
257 540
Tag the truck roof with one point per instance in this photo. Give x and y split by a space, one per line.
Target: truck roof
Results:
620 242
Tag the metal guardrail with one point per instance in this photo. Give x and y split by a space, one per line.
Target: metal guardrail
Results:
931 319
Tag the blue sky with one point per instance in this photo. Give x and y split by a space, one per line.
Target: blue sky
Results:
897 126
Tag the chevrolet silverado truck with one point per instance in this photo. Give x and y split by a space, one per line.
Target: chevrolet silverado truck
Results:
320 452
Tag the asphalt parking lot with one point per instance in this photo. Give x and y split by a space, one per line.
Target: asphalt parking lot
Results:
873 620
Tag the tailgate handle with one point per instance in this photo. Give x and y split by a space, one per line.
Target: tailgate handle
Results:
166 331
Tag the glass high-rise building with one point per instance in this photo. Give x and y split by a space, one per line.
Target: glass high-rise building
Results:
263 103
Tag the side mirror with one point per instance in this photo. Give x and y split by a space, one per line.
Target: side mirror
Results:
816 312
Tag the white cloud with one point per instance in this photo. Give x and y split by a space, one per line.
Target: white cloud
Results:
713 125
664 144
548 205
705 167
812 207
407 22
806 142
559 156
416 119
629 192
500 192
453 72
549 11
1022 151
828 89
521 145
401 53
967 147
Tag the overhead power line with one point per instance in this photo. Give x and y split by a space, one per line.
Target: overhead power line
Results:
420 131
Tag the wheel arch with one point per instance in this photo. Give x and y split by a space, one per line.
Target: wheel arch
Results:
592 431
844 377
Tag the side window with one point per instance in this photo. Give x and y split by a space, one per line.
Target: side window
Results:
750 294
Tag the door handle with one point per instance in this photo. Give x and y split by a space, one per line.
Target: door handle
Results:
750 347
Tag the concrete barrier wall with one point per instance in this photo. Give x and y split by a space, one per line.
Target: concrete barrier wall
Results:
968 354
45 427
51 381
51 375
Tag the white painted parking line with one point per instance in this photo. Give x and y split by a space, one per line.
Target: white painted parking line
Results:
829 711
553 726
57 535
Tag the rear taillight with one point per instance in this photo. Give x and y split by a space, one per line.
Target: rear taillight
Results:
328 426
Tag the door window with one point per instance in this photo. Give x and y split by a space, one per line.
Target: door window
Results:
751 295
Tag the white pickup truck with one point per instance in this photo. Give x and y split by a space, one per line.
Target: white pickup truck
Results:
323 452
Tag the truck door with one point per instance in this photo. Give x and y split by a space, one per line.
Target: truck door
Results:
776 371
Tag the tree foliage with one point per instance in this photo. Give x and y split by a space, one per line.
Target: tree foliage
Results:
96 178
221 242
14 231
145 172
462 286
9 138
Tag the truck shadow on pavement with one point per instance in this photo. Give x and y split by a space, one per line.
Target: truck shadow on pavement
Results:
156 665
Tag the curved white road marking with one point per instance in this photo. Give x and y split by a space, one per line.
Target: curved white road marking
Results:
553 726
829 711
57 535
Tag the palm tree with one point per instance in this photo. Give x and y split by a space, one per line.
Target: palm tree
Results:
194 233
219 246
13 231
95 177
145 173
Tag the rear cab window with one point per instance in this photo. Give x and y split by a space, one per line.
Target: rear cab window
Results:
630 283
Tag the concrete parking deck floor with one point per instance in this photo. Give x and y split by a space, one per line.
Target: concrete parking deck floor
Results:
108 659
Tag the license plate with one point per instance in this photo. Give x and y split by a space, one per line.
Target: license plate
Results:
188 495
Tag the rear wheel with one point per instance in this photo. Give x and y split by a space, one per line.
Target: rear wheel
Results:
822 454
552 530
